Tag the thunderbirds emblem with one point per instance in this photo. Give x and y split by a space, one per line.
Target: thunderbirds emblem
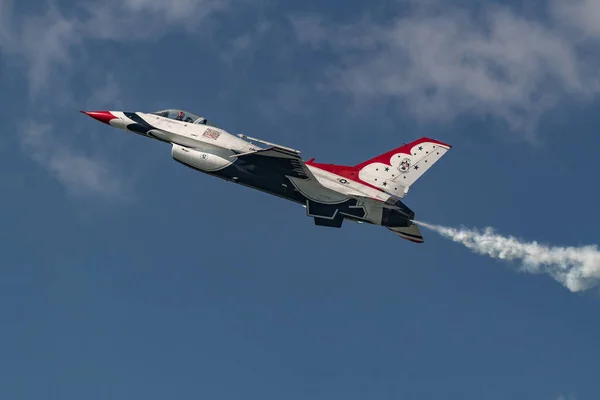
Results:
404 165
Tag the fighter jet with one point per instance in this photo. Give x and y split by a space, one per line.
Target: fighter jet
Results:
368 192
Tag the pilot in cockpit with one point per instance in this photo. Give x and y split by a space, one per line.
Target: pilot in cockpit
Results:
181 117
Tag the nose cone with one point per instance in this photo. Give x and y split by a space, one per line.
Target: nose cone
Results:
102 116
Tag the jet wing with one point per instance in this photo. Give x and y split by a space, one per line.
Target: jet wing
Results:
288 163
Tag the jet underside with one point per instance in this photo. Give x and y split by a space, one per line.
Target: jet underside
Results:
264 174
259 177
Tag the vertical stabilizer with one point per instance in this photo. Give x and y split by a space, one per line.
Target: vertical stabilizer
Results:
395 171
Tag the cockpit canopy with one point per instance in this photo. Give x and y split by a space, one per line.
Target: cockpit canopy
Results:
181 115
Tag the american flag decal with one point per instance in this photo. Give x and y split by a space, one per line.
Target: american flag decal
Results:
211 134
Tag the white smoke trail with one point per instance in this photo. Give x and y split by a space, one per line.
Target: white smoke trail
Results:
577 268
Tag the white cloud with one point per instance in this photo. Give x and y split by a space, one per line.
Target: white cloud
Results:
245 44
563 397
443 64
582 16
48 38
50 45
146 19
108 94
41 41
80 174
177 10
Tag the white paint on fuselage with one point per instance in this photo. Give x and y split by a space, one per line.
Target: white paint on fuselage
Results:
191 135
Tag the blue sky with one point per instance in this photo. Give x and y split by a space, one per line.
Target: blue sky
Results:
124 275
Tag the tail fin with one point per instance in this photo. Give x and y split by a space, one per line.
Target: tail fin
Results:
395 171
411 233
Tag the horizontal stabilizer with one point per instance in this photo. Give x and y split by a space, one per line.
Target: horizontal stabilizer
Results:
411 233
